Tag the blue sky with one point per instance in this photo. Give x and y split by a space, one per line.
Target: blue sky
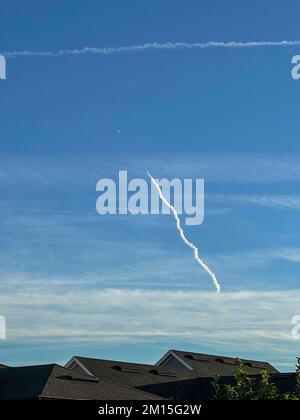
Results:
125 287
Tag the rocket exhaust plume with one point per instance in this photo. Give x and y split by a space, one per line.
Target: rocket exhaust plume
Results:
183 237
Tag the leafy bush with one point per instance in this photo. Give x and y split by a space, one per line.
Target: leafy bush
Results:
246 387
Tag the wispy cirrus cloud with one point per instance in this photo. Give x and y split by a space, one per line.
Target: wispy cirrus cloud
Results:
152 46
289 202
236 323
83 169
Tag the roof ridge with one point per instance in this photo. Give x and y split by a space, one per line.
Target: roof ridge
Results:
146 365
33 366
54 365
218 355
113 361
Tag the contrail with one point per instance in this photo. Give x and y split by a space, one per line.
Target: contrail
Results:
183 237
151 46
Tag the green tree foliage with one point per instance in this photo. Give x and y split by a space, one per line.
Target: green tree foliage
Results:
246 387
297 381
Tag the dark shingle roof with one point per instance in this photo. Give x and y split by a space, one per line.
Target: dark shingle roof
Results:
64 384
23 382
206 365
165 382
132 374
285 382
171 382
57 382
135 382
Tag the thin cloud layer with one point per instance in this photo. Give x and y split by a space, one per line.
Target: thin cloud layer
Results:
169 46
288 201
246 322
83 169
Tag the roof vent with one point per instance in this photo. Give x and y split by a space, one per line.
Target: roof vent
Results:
125 369
68 377
160 373
226 361
154 371
189 356
255 365
79 377
130 370
197 358
115 367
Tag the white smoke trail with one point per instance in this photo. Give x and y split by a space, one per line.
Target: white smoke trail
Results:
183 237
152 46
